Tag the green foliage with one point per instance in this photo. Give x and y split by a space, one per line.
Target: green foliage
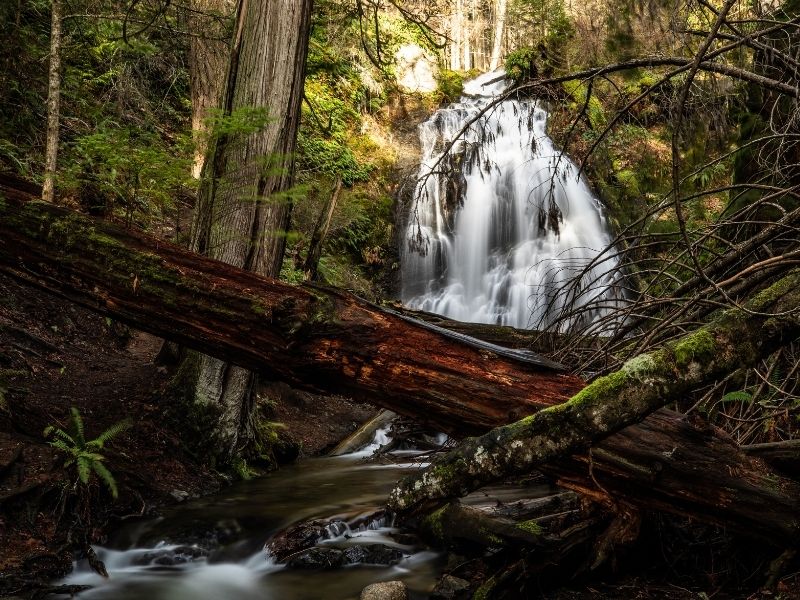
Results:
129 170
737 396
83 453
450 84
521 64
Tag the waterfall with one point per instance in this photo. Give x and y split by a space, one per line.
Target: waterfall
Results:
502 230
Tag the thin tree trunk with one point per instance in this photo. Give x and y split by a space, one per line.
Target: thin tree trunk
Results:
320 233
241 215
53 104
457 34
209 52
499 30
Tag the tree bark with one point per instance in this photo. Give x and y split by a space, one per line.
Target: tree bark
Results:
242 214
499 30
53 104
320 233
327 340
209 52
737 338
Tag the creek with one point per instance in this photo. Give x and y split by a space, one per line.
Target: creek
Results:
233 526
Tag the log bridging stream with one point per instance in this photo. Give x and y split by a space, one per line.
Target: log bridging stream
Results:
330 341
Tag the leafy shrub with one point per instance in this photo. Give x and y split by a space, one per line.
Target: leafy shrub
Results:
521 64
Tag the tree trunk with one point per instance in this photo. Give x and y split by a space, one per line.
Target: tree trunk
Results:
327 340
53 104
457 33
320 233
209 51
499 30
242 214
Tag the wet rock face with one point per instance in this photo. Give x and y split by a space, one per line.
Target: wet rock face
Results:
321 557
373 554
171 556
318 558
302 536
386 590
451 588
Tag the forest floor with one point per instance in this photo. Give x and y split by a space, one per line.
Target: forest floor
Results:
55 355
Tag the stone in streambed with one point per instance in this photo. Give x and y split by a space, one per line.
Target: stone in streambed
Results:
451 588
169 557
317 558
386 590
302 536
372 554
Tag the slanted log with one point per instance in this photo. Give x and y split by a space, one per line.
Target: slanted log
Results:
736 338
330 341
313 338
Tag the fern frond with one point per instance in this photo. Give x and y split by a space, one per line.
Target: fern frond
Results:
111 432
62 445
737 396
84 468
107 477
77 423
58 432
92 456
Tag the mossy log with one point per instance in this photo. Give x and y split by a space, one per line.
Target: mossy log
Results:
330 341
311 337
736 338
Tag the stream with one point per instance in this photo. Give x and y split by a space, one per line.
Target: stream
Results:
238 521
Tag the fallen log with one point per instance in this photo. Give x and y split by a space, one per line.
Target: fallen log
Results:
328 340
736 338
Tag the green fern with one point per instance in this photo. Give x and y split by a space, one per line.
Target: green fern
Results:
82 453
737 396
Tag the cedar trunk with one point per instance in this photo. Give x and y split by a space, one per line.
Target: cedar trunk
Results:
242 212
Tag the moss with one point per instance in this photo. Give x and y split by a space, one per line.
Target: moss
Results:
485 590
697 347
604 387
531 527
784 287
434 523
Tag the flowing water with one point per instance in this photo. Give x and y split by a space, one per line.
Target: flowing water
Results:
502 229
240 520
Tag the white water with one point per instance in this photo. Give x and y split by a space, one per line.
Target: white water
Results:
503 257
340 488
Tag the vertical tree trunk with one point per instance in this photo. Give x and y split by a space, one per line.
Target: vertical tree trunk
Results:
241 217
466 32
499 30
456 34
53 103
209 51
320 233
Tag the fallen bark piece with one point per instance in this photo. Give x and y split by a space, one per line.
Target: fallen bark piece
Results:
736 338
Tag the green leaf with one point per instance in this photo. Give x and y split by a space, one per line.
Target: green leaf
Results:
77 423
737 396
83 465
107 477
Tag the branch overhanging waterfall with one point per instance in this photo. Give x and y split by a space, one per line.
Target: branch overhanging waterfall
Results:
503 229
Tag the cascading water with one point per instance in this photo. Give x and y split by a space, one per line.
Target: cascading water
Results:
502 229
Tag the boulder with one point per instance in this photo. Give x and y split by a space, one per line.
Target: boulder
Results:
372 554
386 590
317 558
451 588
